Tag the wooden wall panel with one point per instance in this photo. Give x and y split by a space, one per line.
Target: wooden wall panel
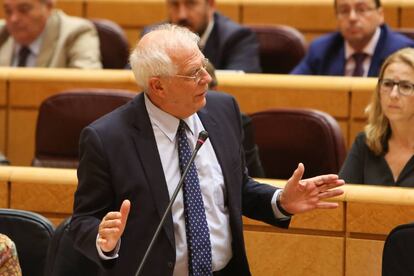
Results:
4 194
71 7
326 220
21 136
363 257
293 254
407 14
377 219
304 15
308 92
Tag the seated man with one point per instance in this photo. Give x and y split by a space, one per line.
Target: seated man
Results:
226 44
35 35
360 46
9 262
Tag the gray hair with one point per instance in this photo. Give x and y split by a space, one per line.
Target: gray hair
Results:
155 60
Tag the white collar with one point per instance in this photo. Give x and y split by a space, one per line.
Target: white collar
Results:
369 49
167 123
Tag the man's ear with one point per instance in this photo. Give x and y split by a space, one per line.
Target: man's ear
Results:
156 86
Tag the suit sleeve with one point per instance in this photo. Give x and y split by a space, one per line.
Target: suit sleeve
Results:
94 196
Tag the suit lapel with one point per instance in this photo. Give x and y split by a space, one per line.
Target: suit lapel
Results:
146 147
50 39
219 142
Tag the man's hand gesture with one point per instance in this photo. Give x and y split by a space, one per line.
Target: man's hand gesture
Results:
112 226
302 195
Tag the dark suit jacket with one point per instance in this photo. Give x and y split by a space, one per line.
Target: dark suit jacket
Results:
119 160
230 46
326 55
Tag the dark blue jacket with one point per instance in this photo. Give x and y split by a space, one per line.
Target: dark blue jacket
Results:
326 55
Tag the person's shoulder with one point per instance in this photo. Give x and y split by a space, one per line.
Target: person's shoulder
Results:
227 26
395 39
69 22
360 140
326 41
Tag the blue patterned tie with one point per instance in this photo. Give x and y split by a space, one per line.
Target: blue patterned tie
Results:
198 235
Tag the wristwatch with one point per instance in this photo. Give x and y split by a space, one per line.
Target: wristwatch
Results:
279 206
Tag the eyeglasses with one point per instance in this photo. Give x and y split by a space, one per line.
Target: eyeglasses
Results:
405 88
345 12
198 74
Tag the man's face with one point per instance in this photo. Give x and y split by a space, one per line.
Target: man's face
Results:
358 20
26 19
185 94
193 14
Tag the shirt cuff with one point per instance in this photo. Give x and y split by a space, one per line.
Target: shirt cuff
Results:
104 256
278 214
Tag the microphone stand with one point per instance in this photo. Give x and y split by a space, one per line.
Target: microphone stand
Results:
202 137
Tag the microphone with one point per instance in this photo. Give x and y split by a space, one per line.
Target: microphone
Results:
202 137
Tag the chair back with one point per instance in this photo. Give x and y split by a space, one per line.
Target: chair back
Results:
287 136
113 42
397 257
62 257
31 234
63 116
281 47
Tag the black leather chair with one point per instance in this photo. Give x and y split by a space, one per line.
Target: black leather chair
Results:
287 136
63 259
281 47
397 257
114 44
63 116
31 234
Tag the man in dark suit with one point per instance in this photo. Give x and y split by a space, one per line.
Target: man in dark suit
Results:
360 46
227 45
130 161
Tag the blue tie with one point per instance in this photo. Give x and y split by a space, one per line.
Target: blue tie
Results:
198 235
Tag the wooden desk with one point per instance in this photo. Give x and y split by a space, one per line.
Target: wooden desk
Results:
343 241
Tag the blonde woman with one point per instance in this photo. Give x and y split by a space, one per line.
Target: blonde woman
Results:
383 153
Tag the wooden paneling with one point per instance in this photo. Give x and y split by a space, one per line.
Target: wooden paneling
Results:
47 191
4 194
293 254
21 136
128 13
304 15
377 218
407 14
256 92
71 7
363 257
326 220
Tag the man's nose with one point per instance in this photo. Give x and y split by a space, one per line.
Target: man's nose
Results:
182 12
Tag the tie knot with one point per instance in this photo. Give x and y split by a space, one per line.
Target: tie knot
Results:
182 126
359 57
